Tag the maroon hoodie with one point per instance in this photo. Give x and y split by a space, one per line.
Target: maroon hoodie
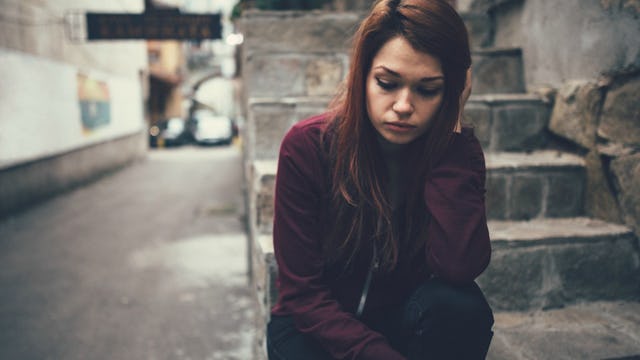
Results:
323 302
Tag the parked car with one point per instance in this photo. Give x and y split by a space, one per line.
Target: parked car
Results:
168 132
208 128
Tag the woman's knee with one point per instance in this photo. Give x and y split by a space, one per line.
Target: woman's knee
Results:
449 306
446 321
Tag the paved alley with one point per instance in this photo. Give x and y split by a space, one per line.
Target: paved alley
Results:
146 263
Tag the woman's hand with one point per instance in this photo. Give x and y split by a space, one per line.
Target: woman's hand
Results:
466 92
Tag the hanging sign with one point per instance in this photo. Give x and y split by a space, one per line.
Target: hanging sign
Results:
157 25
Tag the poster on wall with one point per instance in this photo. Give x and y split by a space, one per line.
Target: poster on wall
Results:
95 105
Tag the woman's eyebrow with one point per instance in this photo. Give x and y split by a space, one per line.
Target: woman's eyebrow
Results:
396 74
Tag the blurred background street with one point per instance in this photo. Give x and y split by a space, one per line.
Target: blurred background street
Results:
132 268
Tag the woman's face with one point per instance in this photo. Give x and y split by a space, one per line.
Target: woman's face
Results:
404 89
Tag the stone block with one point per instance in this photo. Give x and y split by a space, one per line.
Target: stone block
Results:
487 5
520 185
600 330
263 286
575 112
306 110
323 75
498 71
270 122
513 278
496 196
478 115
600 202
620 118
518 127
298 31
275 75
480 29
525 197
549 263
626 170
264 203
565 194
264 266
607 270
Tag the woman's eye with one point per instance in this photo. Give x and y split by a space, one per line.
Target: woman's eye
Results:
385 84
428 92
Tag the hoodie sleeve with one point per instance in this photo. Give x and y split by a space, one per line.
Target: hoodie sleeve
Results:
458 245
297 234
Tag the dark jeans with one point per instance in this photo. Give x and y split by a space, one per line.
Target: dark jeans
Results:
438 321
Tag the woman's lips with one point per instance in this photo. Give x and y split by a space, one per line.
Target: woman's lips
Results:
399 126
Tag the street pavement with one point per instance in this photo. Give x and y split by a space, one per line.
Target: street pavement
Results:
148 262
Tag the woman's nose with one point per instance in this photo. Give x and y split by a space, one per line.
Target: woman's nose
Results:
403 105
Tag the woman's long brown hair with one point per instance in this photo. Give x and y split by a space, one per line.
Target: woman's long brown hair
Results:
360 209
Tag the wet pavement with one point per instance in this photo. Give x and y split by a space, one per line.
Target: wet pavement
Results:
146 263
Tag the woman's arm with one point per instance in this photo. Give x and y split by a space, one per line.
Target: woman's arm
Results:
458 245
303 291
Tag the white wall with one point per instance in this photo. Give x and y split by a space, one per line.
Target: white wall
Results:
40 111
39 66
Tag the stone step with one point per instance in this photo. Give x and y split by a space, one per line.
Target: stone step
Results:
269 118
520 186
509 122
535 264
549 263
264 272
480 29
264 177
502 122
545 183
596 330
497 70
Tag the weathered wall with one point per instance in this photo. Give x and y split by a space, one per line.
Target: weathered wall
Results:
594 62
603 120
571 39
40 28
587 51
293 63
42 131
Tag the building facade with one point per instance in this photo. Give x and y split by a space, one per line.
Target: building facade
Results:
70 109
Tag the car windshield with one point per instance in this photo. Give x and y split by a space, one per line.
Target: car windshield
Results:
208 122
175 125
202 113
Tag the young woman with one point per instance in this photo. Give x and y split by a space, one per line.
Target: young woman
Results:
380 226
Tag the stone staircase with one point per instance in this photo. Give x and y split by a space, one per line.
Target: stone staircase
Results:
546 253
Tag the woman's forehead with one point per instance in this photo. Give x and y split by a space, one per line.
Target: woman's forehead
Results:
398 58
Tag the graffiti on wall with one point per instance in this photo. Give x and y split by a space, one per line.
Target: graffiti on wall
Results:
95 105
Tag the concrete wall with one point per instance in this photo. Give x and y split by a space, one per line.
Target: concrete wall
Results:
570 39
40 28
44 63
27 183
40 113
